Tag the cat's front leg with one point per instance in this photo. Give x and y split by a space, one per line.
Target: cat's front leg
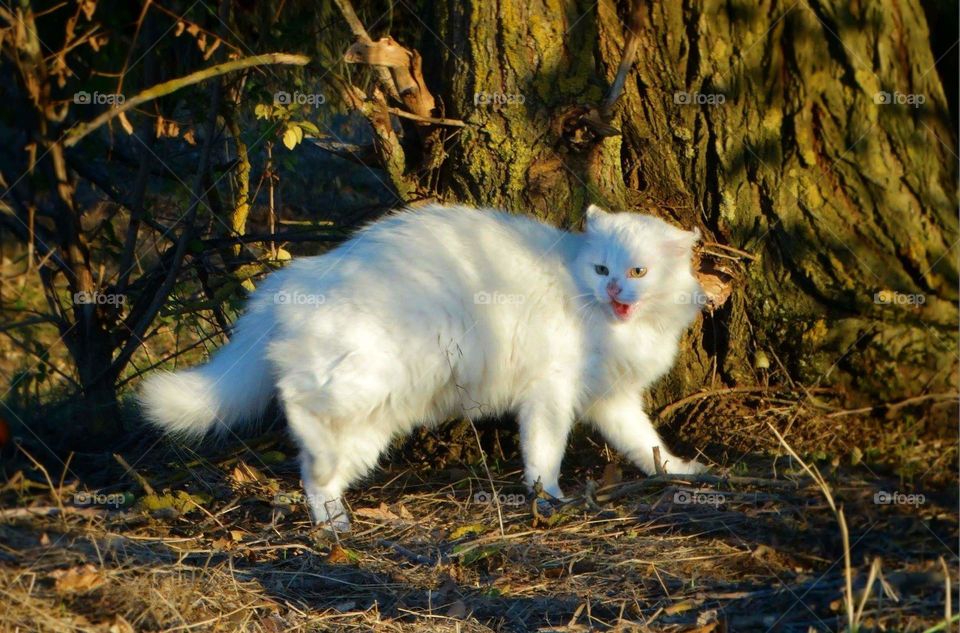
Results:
545 417
623 422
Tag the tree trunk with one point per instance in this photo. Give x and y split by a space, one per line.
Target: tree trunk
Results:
791 131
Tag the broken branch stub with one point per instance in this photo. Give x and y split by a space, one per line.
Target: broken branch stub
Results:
405 67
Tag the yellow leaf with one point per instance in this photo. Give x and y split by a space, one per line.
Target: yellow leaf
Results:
82 578
244 473
273 457
464 530
180 502
290 137
340 555
680 607
382 513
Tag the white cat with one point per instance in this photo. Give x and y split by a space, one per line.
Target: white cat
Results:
448 311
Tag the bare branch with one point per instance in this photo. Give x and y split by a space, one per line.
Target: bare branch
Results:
81 130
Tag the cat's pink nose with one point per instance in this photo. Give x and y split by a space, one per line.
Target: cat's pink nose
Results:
613 290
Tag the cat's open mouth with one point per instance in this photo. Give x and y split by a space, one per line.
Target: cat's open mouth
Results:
621 310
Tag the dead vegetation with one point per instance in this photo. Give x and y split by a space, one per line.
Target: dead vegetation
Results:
192 542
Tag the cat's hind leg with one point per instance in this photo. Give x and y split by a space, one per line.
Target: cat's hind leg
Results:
336 407
623 422
333 455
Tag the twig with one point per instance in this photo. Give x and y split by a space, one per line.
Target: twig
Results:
46 475
82 129
417 558
130 471
947 606
626 62
706 478
657 464
358 30
893 406
426 119
670 408
943 626
841 520
732 249
180 249
493 490
871 578
38 511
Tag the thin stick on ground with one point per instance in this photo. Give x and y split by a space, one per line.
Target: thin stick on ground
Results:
852 620
493 489
54 492
947 606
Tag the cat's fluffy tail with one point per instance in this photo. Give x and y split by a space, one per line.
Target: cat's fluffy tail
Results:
235 386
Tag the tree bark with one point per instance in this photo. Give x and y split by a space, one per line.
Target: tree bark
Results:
764 124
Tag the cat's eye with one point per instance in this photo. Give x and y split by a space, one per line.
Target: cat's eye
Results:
601 269
637 272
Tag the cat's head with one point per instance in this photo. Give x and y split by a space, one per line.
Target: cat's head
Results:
638 266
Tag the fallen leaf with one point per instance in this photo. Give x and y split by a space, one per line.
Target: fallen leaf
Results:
244 473
471 555
120 625
176 503
612 475
340 555
680 607
382 513
273 457
464 530
222 544
457 610
83 578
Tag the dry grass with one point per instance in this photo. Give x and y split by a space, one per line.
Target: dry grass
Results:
763 553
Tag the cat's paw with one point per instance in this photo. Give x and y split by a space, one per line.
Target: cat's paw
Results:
555 493
685 467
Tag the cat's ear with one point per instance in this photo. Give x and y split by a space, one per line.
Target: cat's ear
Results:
594 216
683 245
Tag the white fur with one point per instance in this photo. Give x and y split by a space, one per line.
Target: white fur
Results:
448 311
